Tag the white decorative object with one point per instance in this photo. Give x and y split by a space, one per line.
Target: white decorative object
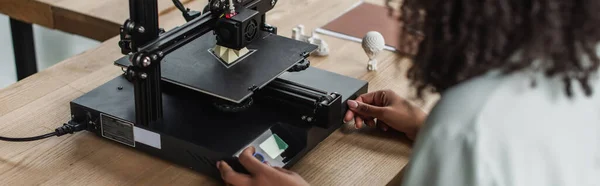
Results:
323 49
299 34
373 43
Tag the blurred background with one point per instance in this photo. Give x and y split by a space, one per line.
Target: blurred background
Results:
51 47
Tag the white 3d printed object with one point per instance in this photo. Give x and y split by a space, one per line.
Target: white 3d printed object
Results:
373 43
298 34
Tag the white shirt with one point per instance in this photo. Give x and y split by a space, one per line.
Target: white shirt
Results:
499 131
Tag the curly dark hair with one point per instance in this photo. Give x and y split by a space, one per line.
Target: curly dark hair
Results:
460 39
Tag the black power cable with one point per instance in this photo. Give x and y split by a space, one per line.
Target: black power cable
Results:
28 138
68 128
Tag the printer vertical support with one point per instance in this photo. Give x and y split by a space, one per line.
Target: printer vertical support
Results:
143 14
141 29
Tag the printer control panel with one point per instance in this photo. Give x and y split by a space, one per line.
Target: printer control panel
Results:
270 150
275 146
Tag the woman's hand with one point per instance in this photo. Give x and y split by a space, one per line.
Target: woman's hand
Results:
389 109
261 173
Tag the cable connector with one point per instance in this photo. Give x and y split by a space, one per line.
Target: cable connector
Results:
187 13
69 128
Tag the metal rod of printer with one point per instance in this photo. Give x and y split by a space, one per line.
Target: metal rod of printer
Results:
177 37
143 19
298 90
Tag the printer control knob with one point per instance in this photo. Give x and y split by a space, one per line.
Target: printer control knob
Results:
300 66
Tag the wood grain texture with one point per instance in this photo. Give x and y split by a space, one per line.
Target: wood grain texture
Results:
88 26
115 11
99 20
28 11
40 103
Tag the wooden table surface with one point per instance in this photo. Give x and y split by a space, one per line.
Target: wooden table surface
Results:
40 103
95 19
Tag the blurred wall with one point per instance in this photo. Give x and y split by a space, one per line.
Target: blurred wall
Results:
52 46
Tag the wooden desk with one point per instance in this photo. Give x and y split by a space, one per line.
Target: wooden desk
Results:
40 103
95 19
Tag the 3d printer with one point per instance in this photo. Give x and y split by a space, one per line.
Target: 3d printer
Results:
221 82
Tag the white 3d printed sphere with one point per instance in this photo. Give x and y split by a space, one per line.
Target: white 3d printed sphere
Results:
373 43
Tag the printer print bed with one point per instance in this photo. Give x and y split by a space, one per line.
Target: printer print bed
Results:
194 67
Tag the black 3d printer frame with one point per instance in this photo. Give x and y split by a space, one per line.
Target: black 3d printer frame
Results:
141 36
312 99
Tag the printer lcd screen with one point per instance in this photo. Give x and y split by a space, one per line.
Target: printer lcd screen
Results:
273 146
